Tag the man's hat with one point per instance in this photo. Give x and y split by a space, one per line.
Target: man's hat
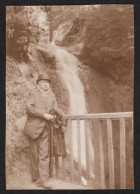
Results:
43 76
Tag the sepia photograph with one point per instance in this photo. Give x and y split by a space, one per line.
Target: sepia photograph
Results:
69 97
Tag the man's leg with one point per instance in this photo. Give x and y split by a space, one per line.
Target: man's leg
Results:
43 153
33 158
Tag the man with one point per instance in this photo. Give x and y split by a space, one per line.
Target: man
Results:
37 128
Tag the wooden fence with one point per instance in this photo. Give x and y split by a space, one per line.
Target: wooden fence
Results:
74 167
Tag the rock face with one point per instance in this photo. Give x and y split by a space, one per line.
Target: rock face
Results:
103 44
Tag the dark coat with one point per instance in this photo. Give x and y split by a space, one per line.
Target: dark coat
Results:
58 125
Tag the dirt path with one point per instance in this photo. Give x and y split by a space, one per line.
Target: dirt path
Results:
57 184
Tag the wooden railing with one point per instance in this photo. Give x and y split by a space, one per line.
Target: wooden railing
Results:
75 167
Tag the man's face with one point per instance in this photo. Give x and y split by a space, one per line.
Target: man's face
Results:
44 85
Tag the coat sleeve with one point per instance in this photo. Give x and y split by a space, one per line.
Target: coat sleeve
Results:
32 109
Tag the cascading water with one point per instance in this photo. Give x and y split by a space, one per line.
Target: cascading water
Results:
67 69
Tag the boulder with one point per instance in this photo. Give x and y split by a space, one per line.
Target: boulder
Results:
20 123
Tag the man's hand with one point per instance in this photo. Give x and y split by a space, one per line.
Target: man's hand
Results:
48 116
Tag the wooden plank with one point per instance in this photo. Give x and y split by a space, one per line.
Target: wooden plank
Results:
51 156
110 154
122 155
116 119
56 165
102 158
101 115
132 149
79 150
71 151
87 149
97 154
132 126
64 167
131 134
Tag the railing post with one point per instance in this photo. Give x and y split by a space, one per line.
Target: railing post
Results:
122 154
110 154
102 158
79 149
56 165
132 143
97 154
87 149
64 167
71 151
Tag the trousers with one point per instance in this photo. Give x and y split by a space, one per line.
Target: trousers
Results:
39 156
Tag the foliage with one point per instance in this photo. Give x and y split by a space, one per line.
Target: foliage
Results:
109 41
30 24
24 25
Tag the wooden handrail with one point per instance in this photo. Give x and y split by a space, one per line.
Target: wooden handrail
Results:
99 162
101 115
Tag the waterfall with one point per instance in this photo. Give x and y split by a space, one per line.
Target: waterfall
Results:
67 69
